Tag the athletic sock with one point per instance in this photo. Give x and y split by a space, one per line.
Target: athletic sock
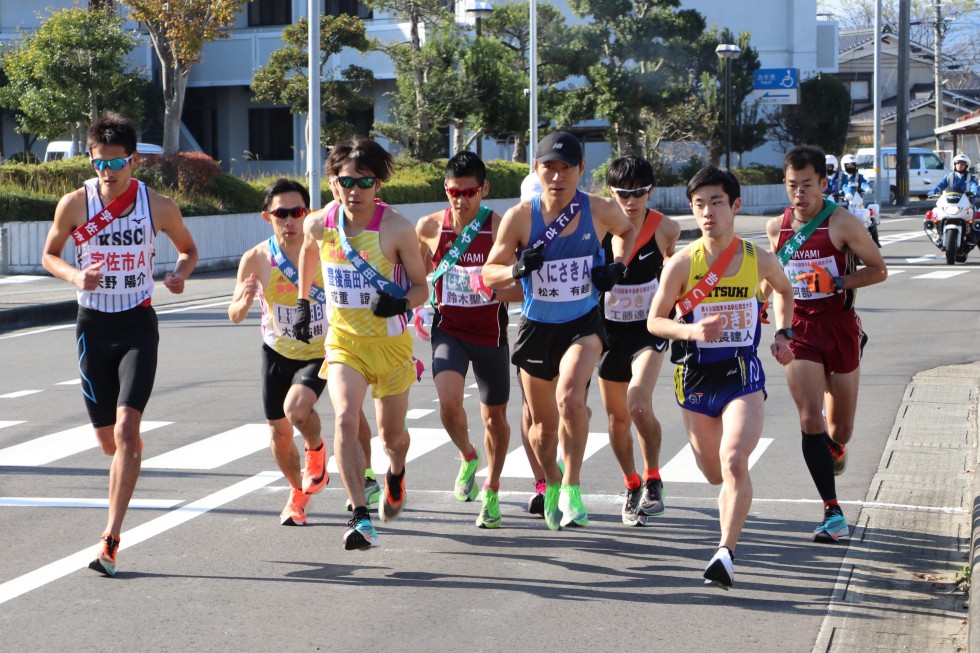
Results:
651 473
495 487
473 455
820 462
632 482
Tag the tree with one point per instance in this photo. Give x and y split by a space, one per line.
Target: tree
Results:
636 56
72 68
179 29
284 81
821 118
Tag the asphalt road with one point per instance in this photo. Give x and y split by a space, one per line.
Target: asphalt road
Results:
205 564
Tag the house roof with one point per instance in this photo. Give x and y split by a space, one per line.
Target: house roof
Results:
849 40
921 95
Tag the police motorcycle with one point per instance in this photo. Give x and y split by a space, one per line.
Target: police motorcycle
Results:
953 225
849 195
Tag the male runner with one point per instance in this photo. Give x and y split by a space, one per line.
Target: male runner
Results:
374 276
560 335
114 220
719 381
628 370
290 381
469 326
827 338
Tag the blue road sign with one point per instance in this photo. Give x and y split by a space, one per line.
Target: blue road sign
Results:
776 79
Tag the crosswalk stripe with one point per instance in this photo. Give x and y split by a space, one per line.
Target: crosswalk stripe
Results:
941 274
57 502
214 451
682 468
49 448
517 466
416 413
423 441
5 423
72 382
19 393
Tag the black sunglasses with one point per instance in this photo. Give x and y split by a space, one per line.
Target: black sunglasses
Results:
362 182
295 212
632 192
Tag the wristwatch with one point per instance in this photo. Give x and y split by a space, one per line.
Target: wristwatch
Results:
838 284
786 333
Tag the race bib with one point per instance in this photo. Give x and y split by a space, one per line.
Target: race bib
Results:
564 280
457 289
125 270
738 322
630 303
282 325
346 287
795 267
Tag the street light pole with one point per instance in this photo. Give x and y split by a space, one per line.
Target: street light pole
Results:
728 51
938 72
480 9
313 163
533 70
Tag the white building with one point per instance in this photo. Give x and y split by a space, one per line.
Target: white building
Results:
259 138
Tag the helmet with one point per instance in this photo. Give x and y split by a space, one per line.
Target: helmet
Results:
848 159
831 160
961 158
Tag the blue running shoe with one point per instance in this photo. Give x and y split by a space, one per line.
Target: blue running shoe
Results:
360 534
833 528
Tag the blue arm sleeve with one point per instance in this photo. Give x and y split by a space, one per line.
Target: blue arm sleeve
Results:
940 187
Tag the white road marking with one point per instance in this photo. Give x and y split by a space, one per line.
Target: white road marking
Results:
6 423
20 278
928 258
941 274
214 451
416 413
891 239
72 382
517 466
682 468
423 441
59 502
49 448
19 393
192 307
61 568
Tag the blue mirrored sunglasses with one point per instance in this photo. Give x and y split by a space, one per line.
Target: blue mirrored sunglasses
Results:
112 164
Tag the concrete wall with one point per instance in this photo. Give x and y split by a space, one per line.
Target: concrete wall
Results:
222 239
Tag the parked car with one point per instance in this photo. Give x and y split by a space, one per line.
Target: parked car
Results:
926 168
66 149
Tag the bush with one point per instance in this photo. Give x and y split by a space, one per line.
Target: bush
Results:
186 171
758 175
23 157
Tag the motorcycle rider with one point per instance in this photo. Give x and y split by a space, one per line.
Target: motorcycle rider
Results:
852 181
833 177
960 181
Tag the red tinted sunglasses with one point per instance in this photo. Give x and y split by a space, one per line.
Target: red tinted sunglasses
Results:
295 212
464 192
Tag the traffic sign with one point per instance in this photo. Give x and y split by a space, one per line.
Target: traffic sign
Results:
776 85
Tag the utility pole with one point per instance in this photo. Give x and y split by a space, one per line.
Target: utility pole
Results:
902 108
882 183
937 71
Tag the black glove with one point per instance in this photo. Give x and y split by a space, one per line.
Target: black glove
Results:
301 320
384 304
607 276
530 260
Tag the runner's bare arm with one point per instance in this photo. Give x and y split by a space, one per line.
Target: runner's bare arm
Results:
515 291
513 233
847 233
615 222
772 233
309 255
396 228
428 230
167 218
69 214
250 279
771 273
667 235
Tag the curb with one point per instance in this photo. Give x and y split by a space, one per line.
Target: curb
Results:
28 316
973 609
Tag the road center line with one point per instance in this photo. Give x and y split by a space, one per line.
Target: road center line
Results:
61 568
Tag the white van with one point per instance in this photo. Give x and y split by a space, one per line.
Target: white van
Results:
66 149
925 169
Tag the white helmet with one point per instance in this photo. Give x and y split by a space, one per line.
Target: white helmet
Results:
848 159
831 160
961 158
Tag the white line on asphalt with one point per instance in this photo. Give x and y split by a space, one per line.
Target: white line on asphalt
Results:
416 413
6 423
19 393
60 568
20 278
57 502
49 448
941 274
517 466
192 307
891 239
683 468
72 382
214 451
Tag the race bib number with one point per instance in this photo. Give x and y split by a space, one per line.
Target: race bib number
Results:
125 269
738 322
345 286
564 280
282 325
795 267
457 287
630 303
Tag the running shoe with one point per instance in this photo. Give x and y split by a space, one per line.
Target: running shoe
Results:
466 489
294 514
570 504
105 562
630 516
839 453
652 499
394 498
536 505
490 512
719 571
315 475
372 493
552 514
833 528
360 534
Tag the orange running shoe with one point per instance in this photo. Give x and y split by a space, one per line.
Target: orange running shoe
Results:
839 453
315 476
294 514
394 498
105 563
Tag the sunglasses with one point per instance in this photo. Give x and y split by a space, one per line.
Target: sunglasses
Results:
112 164
464 192
362 182
632 192
295 212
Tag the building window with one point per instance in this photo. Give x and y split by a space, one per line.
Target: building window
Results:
269 12
348 8
270 134
860 91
